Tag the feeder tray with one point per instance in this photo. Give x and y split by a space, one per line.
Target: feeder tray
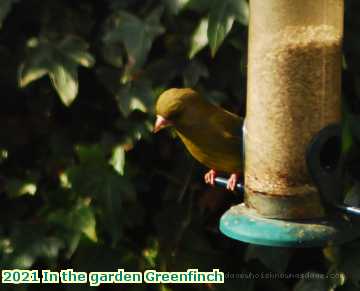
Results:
241 223
341 224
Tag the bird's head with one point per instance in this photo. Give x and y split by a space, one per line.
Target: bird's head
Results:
173 107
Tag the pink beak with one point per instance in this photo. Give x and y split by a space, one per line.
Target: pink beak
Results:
160 123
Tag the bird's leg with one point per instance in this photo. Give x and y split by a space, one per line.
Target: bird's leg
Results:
210 177
231 184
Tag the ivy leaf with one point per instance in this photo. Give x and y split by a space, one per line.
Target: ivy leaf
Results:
4 154
92 155
111 202
110 192
86 222
27 243
175 6
135 96
118 159
352 196
135 130
95 178
114 55
5 7
38 62
65 80
199 6
59 61
136 34
90 174
221 18
220 22
241 11
16 187
76 49
199 39
80 219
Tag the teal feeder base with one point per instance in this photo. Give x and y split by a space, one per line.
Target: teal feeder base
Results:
240 223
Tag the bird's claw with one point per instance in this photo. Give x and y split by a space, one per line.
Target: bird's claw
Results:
231 184
210 177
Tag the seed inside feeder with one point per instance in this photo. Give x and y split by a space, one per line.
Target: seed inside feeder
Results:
293 92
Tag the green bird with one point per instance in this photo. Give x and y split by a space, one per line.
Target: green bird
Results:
212 135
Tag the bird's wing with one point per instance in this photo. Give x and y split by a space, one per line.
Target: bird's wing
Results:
214 138
227 147
227 123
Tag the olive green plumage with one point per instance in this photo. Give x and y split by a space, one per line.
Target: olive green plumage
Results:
210 133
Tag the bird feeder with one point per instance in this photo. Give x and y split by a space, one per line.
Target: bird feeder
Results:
293 106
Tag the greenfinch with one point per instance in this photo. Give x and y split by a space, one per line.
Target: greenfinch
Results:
212 135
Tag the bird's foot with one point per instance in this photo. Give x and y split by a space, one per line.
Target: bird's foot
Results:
210 177
231 184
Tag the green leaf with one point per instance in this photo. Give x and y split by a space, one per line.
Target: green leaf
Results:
17 187
30 74
94 177
353 195
135 96
135 129
221 18
80 219
88 177
65 80
38 62
4 154
112 204
86 220
27 243
59 61
200 38
76 49
5 7
118 159
175 6
136 34
90 154
114 54
107 188
150 253
241 11
109 191
199 6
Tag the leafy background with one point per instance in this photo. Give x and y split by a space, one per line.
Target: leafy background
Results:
84 184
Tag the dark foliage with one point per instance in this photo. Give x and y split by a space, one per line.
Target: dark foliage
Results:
85 184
